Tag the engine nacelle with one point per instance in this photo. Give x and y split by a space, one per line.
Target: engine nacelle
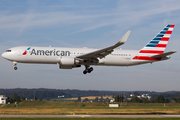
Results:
68 63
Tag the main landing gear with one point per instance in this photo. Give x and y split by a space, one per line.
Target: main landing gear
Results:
15 67
88 70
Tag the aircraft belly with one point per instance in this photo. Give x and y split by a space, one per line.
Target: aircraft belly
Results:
115 61
39 59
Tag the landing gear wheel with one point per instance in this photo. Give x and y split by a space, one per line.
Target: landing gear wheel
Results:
84 71
88 70
91 68
15 63
15 68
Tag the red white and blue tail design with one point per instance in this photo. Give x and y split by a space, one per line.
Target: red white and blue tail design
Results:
157 45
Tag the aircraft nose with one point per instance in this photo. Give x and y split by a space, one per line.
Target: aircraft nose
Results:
4 55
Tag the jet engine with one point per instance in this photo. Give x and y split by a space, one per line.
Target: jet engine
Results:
68 63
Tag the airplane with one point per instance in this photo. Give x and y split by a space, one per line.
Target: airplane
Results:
69 58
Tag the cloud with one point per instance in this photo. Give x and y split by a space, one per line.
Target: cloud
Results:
94 25
94 20
60 42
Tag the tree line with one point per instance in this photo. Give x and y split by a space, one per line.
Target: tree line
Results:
119 98
159 99
43 93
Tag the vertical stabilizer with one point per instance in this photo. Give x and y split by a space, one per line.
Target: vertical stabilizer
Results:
157 45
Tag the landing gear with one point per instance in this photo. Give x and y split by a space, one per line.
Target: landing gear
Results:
15 68
15 63
88 70
85 71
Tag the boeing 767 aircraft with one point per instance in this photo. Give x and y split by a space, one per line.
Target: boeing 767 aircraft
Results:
69 58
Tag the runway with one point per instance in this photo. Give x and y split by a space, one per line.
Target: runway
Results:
89 116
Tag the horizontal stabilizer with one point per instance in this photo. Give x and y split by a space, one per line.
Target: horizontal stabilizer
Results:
163 55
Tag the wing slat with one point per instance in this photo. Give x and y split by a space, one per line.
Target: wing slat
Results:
106 51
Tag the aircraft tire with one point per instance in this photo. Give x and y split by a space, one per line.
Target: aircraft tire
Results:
15 68
84 72
91 68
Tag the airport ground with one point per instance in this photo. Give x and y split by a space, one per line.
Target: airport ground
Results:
60 118
75 110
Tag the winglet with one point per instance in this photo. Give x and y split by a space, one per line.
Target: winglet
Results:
106 51
124 38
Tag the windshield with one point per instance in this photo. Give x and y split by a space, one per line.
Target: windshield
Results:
8 50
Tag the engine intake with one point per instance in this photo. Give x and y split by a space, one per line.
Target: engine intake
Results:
68 63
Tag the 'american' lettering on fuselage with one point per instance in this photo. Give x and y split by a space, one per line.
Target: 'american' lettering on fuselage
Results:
50 52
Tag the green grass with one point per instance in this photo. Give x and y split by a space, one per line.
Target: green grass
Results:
99 105
90 118
93 104
98 108
57 104
44 107
93 108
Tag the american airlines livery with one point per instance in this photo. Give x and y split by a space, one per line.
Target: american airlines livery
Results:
69 58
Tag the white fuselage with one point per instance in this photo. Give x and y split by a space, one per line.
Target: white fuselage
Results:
69 58
52 55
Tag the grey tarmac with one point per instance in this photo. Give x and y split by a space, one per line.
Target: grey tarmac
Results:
89 116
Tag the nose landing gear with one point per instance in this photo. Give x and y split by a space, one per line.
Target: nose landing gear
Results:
15 68
88 70
15 63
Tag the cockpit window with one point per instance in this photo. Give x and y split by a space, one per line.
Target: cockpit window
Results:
8 50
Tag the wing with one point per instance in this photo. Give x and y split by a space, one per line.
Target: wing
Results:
104 52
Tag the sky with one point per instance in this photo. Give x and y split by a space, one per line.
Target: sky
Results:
92 24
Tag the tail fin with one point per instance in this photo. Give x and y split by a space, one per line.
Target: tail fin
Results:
158 44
